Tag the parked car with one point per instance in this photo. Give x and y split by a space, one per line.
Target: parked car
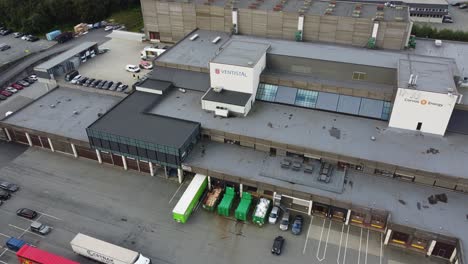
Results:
6 93
15 244
2 97
4 47
26 213
33 77
17 86
4 195
33 39
274 214
23 83
101 84
75 79
108 28
5 32
29 80
26 36
103 50
296 227
95 83
11 90
284 224
82 81
447 20
40 228
18 34
115 86
70 75
9 186
463 6
132 68
277 245
89 82
146 65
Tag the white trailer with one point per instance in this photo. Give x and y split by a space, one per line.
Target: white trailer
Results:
104 252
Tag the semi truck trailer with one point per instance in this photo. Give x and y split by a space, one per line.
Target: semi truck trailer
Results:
105 252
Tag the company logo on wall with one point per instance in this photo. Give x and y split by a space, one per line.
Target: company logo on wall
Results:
231 72
423 102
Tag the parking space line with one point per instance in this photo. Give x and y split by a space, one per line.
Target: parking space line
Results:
308 233
381 247
359 251
25 230
346 246
339 247
1 254
367 247
1 234
178 189
326 243
48 215
3 262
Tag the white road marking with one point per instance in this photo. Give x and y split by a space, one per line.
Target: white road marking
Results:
346 246
48 215
25 230
307 237
359 251
367 247
339 247
182 184
381 247
1 234
326 243
3 262
1 254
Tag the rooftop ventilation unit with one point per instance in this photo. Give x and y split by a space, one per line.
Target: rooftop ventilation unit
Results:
194 37
218 89
413 79
216 40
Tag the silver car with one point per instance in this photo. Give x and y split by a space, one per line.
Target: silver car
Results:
284 224
40 228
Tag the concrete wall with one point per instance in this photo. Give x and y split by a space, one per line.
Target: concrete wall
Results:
330 70
432 110
174 20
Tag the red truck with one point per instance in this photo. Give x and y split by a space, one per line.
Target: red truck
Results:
32 255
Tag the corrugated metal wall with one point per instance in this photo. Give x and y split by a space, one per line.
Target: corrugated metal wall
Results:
174 20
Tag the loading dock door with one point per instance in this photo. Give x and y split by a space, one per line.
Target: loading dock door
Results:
295 204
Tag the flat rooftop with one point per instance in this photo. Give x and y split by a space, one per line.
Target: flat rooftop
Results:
330 132
55 112
344 9
130 119
253 165
241 53
195 53
200 52
431 77
64 56
227 97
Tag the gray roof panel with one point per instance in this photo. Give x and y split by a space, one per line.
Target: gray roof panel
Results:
286 95
227 97
349 104
327 101
64 56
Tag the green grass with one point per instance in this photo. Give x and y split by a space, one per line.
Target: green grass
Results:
131 18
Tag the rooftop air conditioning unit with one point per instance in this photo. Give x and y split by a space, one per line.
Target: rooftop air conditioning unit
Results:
217 89
218 38
222 112
194 37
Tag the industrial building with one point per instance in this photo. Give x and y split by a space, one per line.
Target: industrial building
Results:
264 116
357 24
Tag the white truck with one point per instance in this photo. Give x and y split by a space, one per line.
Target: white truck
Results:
104 252
152 52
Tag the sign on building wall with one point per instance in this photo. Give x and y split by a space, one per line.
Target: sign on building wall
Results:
233 78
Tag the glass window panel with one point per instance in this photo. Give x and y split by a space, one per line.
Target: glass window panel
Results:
123 148
132 150
142 152
267 92
387 109
306 98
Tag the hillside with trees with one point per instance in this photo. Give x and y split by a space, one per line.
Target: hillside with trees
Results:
39 16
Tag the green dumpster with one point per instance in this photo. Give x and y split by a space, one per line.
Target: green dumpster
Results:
224 206
244 206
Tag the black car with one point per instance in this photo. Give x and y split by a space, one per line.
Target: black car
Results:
5 47
33 39
4 195
82 81
89 82
107 85
101 84
2 97
26 213
277 245
115 86
95 83
296 228
9 186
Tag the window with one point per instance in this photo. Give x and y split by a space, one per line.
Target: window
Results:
306 98
387 108
359 76
132 150
267 92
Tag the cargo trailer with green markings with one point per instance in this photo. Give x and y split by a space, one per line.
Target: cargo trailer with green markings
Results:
190 198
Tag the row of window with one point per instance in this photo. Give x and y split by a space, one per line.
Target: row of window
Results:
309 99
132 142
429 9
136 152
425 15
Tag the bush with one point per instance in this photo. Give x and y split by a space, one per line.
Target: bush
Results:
426 31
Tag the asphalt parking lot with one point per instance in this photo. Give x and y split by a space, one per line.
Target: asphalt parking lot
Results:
134 210
460 20
111 65
21 48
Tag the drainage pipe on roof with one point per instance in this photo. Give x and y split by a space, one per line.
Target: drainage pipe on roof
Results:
235 23
300 28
